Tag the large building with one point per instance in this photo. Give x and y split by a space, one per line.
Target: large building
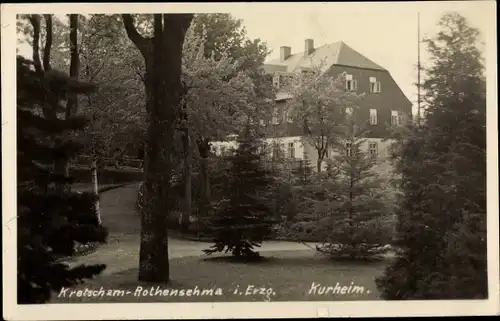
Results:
383 105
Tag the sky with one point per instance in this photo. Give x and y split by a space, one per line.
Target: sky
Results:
386 33
387 37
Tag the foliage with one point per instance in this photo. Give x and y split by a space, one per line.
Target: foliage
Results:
442 217
116 109
59 57
243 218
356 203
50 221
319 103
107 58
345 208
217 99
225 35
223 90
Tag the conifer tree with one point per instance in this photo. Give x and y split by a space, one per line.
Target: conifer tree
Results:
244 218
354 207
442 218
50 220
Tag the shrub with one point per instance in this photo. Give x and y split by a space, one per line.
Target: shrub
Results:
107 175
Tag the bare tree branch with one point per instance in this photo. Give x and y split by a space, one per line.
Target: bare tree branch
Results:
139 41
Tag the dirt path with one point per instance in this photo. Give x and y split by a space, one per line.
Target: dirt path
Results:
119 214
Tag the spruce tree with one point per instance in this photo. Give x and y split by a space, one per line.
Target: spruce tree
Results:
354 210
244 219
442 218
50 220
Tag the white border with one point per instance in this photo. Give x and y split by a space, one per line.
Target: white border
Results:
12 311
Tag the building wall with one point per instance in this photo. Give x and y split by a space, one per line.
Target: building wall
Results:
391 97
304 148
383 155
298 145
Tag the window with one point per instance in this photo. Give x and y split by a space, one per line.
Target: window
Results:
286 115
373 117
372 148
394 117
374 85
350 83
348 149
349 111
291 150
276 81
261 121
274 120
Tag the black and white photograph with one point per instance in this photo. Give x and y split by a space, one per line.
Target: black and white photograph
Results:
249 160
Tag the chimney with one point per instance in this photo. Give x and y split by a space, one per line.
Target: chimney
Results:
309 47
285 52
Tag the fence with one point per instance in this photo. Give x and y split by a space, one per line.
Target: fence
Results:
111 161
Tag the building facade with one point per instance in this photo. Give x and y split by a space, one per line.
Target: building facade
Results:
383 106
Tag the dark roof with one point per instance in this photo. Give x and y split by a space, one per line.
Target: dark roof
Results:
337 53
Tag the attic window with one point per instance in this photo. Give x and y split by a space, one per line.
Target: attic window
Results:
374 85
350 83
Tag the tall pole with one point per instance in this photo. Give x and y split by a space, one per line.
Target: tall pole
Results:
418 68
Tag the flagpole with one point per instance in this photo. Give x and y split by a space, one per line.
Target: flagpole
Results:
418 68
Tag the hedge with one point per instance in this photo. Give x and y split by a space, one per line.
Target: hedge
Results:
107 175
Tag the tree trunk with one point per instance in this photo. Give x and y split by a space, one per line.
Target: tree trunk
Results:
319 162
48 42
93 166
35 22
74 68
95 189
62 166
185 220
204 150
163 59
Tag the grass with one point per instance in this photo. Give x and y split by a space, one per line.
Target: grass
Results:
281 276
288 269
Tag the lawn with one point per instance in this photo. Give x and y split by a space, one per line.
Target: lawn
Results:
281 276
287 272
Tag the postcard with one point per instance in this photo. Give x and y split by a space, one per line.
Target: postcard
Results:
249 160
